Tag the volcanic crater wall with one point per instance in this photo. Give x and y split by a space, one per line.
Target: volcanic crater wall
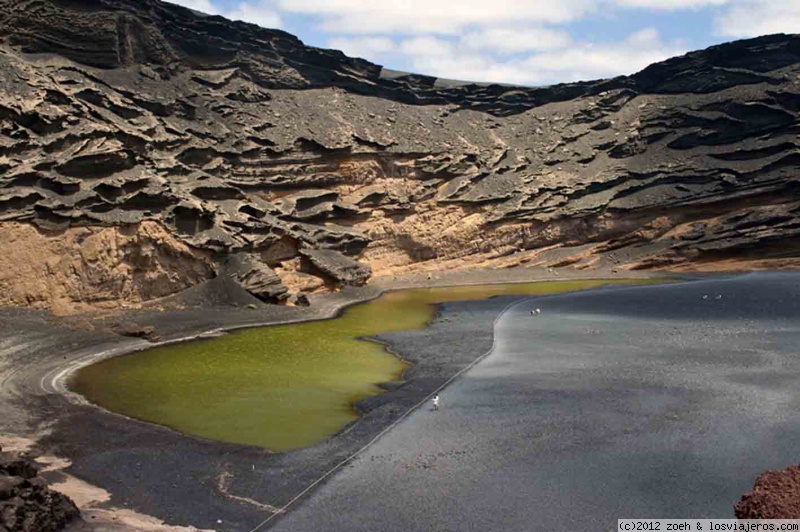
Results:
220 148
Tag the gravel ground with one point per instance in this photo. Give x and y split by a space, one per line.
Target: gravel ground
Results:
660 401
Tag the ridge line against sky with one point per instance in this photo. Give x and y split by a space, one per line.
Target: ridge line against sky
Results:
529 42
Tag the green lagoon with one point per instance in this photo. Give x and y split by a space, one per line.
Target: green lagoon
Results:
281 387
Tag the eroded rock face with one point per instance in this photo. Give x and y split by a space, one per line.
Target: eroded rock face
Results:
26 503
88 268
237 139
252 274
337 266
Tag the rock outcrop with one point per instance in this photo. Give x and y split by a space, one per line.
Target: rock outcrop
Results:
337 266
95 267
255 277
26 503
242 141
775 495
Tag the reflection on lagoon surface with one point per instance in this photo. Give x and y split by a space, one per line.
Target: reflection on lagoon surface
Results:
281 387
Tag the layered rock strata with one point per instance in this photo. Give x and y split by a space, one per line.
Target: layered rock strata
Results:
293 169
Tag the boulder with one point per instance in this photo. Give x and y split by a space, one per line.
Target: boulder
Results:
135 330
249 272
14 464
26 503
300 300
8 485
343 269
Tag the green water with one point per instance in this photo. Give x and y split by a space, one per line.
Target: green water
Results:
281 387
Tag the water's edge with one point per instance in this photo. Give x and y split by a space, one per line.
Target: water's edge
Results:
407 309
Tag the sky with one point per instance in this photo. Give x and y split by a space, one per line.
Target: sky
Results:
526 42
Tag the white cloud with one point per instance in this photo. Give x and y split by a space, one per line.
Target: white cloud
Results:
478 68
590 61
432 16
363 46
432 47
751 18
574 61
198 5
259 13
515 39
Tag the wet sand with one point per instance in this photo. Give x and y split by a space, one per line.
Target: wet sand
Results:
620 403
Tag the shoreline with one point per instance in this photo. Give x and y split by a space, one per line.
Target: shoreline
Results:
389 405
57 383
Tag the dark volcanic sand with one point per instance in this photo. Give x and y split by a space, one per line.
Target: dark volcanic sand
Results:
619 403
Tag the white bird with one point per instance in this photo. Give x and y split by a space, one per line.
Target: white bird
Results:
719 296
705 296
538 311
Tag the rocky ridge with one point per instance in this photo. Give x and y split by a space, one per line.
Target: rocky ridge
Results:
221 148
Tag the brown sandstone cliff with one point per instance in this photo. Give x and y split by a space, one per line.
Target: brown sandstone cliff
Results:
86 268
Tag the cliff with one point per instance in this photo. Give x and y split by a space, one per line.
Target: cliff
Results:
225 149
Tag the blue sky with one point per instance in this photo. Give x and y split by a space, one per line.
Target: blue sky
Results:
530 42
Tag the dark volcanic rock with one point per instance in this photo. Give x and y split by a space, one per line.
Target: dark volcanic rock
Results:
26 504
237 138
301 300
309 204
343 269
134 330
255 277
15 465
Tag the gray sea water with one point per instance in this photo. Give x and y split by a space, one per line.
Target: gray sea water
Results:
657 401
